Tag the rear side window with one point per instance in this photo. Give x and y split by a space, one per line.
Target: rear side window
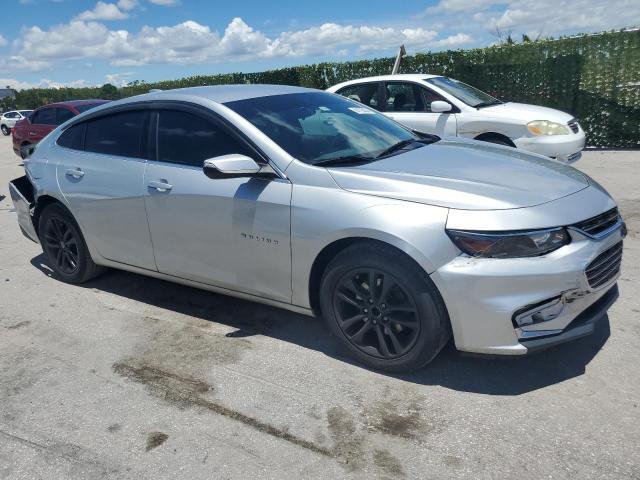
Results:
62 115
73 137
189 139
366 93
404 97
46 116
118 134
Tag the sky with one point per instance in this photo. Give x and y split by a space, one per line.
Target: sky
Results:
87 42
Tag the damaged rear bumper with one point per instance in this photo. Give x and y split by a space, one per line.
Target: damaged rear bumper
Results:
21 191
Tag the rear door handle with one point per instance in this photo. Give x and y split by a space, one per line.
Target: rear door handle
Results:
74 172
161 186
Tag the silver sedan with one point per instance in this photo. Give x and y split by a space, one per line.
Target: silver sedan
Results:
312 202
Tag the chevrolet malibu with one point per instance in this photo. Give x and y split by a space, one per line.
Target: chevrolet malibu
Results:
312 202
444 106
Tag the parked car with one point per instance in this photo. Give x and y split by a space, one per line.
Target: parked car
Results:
444 106
311 202
8 120
29 131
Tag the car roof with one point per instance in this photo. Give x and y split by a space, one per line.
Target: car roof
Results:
225 93
383 78
76 103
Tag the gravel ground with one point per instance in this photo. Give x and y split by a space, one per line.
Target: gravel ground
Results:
131 377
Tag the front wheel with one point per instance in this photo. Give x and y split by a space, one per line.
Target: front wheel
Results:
383 308
5 130
64 246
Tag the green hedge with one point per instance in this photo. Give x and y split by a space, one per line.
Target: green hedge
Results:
594 77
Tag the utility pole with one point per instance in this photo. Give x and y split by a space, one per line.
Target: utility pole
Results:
396 66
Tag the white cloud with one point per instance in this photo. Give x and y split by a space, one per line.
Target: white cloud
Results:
43 83
127 4
119 79
3 41
104 11
545 16
191 42
165 3
542 16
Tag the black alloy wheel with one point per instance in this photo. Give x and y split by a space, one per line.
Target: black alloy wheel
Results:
376 313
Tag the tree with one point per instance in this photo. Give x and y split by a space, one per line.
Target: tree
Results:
109 92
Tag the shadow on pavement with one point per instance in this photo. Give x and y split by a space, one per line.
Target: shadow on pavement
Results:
451 369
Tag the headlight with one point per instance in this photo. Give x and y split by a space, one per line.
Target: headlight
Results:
544 127
509 244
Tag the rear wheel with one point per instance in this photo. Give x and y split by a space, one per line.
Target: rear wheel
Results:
64 246
383 308
5 130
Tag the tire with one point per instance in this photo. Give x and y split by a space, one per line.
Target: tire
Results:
404 304
6 131
25 150
72 262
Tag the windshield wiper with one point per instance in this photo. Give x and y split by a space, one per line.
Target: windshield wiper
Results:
487 104
426 139
344 160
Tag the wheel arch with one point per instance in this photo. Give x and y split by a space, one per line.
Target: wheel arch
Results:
488 136
324 257
41 203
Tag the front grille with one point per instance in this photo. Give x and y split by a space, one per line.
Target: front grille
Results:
573 125
598 224
605 266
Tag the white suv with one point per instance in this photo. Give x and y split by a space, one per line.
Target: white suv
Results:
8 120
444 106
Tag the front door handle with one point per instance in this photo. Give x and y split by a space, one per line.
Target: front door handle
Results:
74 172
32 134
161 186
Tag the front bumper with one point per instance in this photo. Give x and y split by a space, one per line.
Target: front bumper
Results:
21 191
484 297
566 148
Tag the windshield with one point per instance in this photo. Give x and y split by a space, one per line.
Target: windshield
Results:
317 126
26 113
463 92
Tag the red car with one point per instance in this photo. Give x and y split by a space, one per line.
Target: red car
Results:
29 131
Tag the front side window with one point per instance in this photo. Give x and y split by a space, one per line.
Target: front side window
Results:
404 97
118 134
463 92
318 126
46 116
366 93
189 139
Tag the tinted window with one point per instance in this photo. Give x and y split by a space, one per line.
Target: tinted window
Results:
319 126
365 93
404 97
63 115
11 115
87 106
118 134
189 139
26 113
46 116
73 137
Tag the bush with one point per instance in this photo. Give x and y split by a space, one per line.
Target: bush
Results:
594 77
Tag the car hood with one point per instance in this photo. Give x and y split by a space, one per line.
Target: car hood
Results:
464 174
525 112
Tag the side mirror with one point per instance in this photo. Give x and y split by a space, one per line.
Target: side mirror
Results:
440 107
230 166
